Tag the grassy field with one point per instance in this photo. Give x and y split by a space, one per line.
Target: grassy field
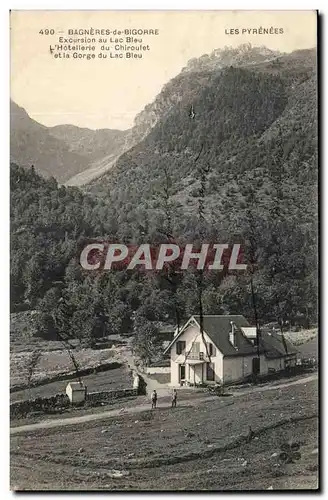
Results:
302 336
118 378
53 363
310 349
200 447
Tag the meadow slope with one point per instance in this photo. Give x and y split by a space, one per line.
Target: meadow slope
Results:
200 447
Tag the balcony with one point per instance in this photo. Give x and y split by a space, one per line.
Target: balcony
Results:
196 356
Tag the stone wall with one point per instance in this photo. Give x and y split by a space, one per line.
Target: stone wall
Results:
46 405
60 402
99 397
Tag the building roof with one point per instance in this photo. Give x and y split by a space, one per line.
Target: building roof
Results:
218 329
275 345
76 386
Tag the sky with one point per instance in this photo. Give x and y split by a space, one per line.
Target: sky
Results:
109 93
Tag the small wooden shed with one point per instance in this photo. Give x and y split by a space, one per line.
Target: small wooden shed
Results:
76 392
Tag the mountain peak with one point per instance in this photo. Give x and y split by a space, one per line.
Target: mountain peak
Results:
228 56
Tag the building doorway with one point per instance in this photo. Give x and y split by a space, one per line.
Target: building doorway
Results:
182 373
256 366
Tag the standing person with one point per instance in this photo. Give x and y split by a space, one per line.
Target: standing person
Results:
174 398
153 399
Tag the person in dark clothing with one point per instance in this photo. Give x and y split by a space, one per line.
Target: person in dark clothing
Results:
174 398
154 399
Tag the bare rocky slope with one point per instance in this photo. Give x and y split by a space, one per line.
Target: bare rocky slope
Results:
32 144
62 152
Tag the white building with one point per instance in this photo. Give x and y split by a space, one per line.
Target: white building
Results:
226 352
76 392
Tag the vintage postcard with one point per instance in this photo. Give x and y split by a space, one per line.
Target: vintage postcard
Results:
164 251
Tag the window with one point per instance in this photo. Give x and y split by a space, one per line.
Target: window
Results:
210 373
195 348
211 349
181 346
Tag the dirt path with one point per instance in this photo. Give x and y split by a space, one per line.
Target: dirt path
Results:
124 355
298 381
60 422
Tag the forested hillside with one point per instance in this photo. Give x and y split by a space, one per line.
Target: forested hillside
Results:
197 73
242 145
255 130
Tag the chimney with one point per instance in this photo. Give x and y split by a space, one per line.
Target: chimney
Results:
232 334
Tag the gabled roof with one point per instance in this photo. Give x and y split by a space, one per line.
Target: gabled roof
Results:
275 345
218 329
76 386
